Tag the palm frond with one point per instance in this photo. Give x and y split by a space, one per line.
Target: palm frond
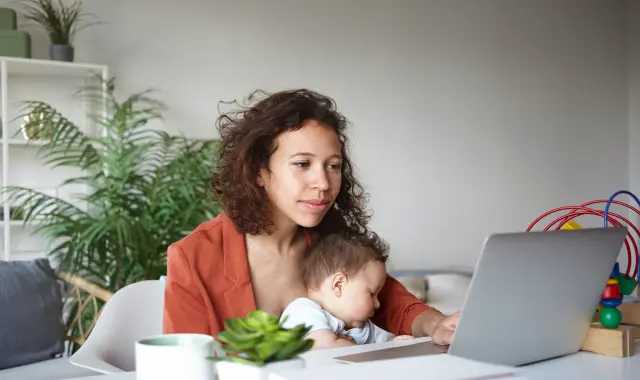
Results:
68 144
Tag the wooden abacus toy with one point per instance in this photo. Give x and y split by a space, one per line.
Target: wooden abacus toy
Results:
616 322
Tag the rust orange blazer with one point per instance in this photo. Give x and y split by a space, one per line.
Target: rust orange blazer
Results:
208 281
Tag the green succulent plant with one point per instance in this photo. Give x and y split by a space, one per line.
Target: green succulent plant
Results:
260 339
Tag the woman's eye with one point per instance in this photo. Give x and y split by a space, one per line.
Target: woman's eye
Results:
304 164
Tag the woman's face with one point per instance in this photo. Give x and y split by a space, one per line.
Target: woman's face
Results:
305 175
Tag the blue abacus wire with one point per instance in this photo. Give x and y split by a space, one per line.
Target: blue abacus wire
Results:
606 213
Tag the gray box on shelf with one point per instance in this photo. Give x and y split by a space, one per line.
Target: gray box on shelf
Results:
8 19
15 43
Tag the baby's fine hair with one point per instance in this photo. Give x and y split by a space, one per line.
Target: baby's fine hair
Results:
339 252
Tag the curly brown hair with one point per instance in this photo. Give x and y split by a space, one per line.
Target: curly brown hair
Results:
341 253
248 137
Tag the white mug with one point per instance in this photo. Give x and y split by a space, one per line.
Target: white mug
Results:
176 356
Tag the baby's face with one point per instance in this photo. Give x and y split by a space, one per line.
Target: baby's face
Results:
360 294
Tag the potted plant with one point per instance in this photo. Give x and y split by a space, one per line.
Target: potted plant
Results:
61 20
258 344
145 189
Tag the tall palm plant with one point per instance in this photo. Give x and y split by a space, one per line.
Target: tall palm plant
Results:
147 189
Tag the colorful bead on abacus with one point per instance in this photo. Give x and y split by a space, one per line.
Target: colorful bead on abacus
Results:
626 284
610 316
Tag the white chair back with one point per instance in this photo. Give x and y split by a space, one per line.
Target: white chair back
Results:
134 312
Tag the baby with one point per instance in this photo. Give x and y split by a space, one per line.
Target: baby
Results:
343 276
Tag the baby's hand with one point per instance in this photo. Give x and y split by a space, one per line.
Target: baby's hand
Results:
401 337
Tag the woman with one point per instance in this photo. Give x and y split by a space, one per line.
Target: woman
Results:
285 178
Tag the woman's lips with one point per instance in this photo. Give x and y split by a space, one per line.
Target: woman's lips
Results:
315 204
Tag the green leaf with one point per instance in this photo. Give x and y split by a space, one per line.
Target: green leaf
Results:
293 349
284 336
258 316
238 326
266 349
239 338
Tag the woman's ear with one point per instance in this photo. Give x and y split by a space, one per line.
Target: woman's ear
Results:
338 282
262 174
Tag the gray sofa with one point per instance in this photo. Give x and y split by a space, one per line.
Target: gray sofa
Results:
32 335
443 289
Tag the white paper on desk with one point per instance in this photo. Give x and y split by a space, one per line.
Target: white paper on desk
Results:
441 367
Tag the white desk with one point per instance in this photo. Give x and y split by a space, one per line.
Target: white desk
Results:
582 365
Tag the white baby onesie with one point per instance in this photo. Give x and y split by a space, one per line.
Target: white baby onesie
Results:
308 312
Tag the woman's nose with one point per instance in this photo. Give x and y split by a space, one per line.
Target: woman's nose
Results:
320 180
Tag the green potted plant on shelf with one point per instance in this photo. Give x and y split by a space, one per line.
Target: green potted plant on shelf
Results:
257 344
142 189
61 21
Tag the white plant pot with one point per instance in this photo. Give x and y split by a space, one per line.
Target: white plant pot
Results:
234 371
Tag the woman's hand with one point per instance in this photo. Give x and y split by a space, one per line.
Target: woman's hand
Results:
436 325
446 327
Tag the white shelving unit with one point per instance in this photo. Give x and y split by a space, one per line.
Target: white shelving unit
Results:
57 84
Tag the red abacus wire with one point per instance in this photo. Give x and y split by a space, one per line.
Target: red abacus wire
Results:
577 211
615 223
588 211
633 241
605 201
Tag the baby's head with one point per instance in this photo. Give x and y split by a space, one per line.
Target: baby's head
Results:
345 274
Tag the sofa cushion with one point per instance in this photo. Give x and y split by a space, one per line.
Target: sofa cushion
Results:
447 291
415 285
31 304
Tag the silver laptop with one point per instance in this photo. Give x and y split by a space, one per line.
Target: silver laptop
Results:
532 297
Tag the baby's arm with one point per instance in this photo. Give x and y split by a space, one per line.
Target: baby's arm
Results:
325 338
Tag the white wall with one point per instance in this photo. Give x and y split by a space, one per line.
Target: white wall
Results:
634 94
633 22
467 114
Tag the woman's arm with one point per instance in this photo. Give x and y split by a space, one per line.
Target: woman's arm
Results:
184 308
402 313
